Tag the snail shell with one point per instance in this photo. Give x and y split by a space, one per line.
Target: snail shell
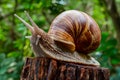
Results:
71 37
76 31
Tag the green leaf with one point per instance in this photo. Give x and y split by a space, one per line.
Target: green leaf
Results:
115 61
112 41
14 54
3 70
7 61
2 56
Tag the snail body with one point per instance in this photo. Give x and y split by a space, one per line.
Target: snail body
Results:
72 35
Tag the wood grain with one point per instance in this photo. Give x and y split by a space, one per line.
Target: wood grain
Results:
49 69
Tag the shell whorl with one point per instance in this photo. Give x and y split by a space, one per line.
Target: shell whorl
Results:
76 30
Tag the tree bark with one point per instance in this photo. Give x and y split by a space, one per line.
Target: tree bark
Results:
50 69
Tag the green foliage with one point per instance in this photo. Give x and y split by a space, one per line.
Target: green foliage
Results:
14 47
117 75
108 51
10 65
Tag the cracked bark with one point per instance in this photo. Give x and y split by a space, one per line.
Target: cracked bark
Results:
49 69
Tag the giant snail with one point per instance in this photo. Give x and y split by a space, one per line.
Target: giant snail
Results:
71 37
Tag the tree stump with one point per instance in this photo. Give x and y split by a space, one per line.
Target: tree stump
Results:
50 69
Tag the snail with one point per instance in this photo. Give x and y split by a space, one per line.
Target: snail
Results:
71 37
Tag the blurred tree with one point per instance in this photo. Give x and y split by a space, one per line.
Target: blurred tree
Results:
112 9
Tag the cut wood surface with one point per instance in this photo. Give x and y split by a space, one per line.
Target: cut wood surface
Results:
50 69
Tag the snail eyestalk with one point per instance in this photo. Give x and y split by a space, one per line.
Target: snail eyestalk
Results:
25 23
30 19
28 37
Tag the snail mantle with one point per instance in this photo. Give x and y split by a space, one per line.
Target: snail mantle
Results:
71 37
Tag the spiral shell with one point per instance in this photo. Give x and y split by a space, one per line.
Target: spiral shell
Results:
76 31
